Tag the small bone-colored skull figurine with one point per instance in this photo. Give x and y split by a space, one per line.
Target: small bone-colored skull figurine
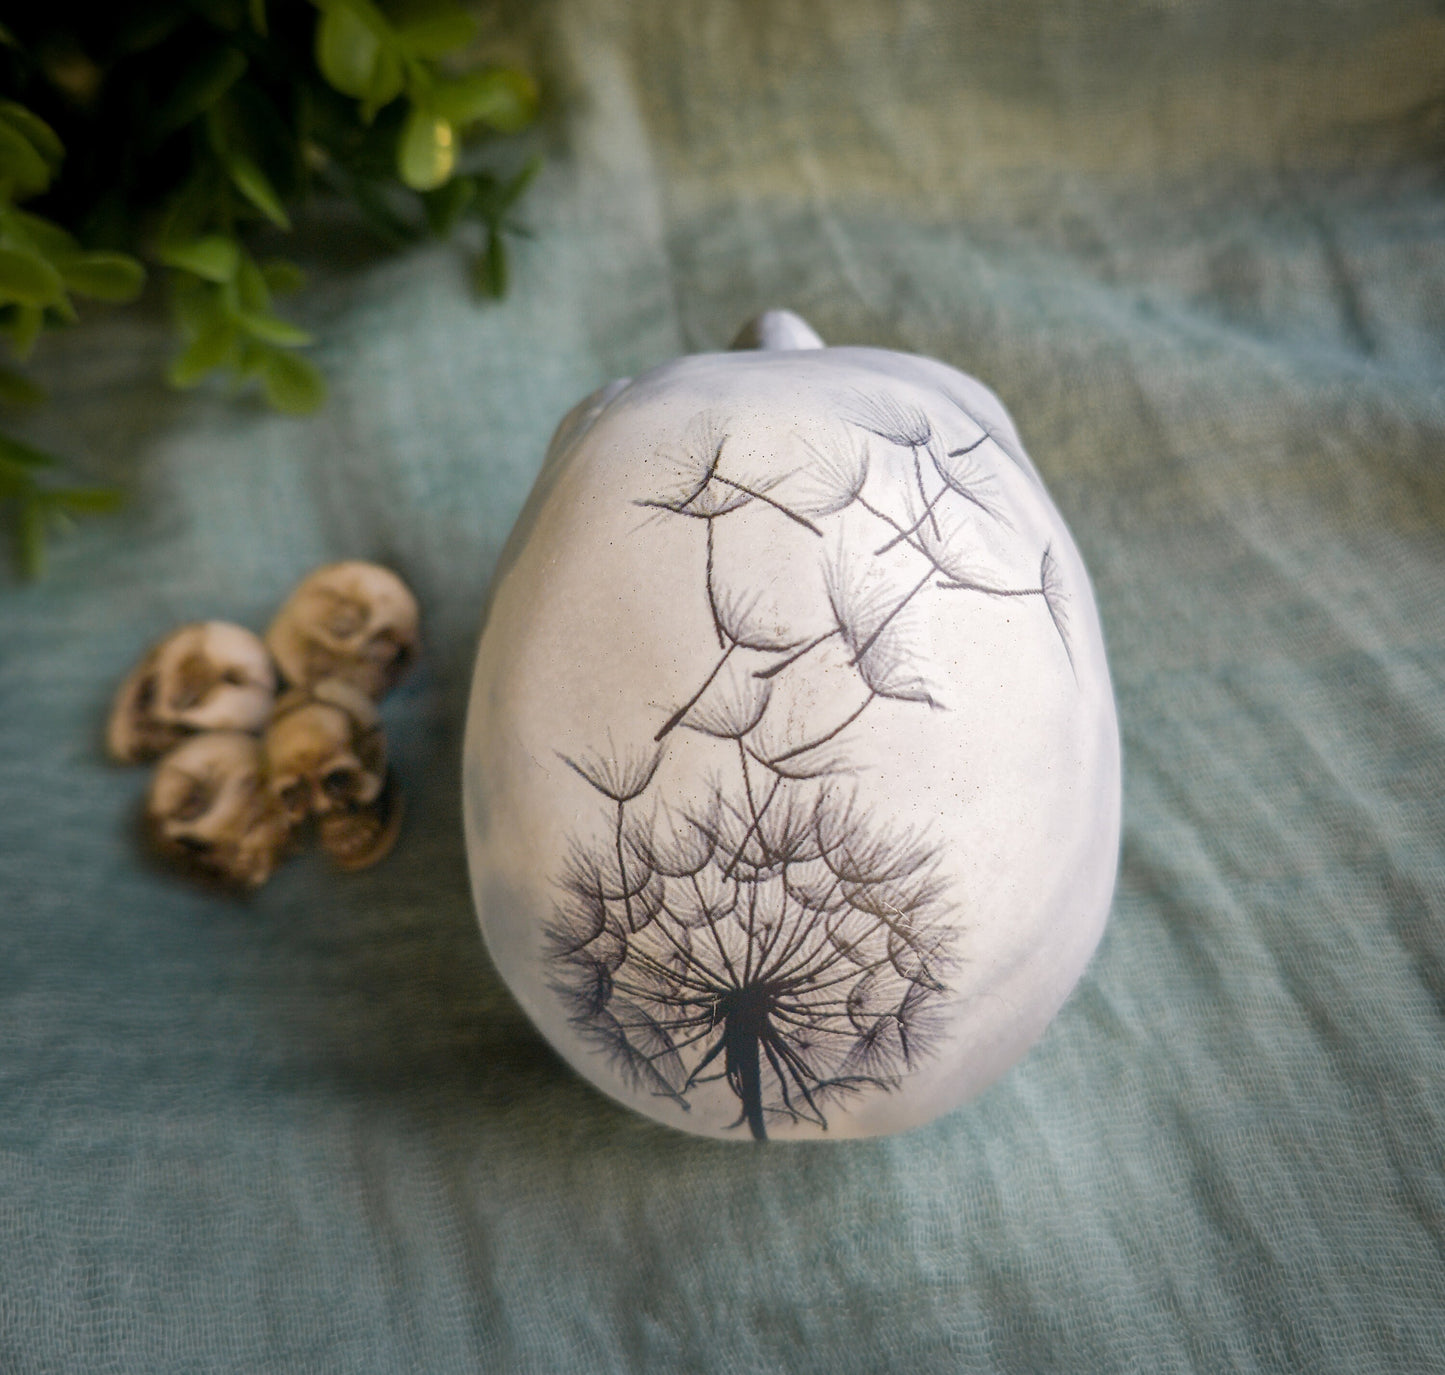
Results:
209 809
208 676
791 775
327 758
355 837
324 750
354 621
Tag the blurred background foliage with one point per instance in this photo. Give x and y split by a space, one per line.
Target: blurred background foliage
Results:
151 136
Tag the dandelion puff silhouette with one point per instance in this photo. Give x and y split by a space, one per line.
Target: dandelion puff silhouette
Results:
796 954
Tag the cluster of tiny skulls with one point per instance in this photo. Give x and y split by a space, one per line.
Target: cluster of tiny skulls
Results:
258 738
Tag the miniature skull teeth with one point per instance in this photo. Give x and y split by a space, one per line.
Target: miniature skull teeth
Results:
324 751
210 675
209 809
354 621
357 837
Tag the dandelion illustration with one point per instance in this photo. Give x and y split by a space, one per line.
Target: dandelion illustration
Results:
769 935
797 956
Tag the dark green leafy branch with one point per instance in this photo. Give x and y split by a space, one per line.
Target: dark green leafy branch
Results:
182 134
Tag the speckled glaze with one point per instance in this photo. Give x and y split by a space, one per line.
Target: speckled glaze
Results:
792 766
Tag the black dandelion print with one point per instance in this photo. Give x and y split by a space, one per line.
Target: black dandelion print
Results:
774 937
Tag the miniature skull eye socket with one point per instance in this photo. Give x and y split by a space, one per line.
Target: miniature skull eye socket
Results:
195 676
340 785
346 618
195 802
208 809
386 649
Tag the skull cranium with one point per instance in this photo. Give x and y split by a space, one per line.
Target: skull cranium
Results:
210 675
209 808
324 750
354 621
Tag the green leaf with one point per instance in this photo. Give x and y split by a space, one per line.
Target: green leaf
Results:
25 327
200 86
27 279
252 183
495 198
491 273
504 99
347 50
513 191
21 163
251 288
143 27
370 198
210 349
214 257
292 384
115 277
436 34
193 210
387 82
283 276
87 501
23 457
221 14
197 304
41 234
250 361
445 205
271 329
30 536
258 16
36 131
427 151
18 390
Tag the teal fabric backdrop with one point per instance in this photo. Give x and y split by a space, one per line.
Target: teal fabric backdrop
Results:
1199 249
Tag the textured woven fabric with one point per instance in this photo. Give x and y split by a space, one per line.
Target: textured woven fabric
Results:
1199 250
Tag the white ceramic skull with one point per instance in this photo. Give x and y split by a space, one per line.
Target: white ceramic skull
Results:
792 780
209 809
208 676
325 750
354 621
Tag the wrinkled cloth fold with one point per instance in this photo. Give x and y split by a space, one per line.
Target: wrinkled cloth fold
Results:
1199 251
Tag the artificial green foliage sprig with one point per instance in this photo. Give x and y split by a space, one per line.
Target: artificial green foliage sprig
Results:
42 267
181 134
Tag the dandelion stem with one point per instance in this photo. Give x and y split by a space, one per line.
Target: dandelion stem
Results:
711 598
676 717
822 739
888 619
768 501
